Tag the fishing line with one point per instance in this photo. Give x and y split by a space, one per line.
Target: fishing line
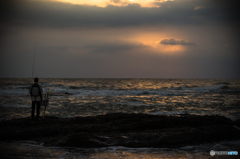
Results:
33 60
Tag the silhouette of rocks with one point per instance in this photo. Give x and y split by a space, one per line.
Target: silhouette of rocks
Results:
130 130
237 122
81 140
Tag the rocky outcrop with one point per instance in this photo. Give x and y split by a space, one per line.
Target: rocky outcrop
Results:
130 130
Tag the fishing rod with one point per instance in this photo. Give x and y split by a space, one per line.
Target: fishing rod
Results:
45 102
33 60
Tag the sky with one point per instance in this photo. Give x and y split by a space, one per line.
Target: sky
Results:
119 39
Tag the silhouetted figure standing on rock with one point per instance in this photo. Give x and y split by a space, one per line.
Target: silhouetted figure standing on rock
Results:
36 96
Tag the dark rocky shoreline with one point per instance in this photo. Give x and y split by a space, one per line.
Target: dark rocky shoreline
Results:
129 130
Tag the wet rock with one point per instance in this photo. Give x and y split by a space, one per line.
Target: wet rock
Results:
225 87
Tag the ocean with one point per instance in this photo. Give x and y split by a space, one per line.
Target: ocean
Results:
72 97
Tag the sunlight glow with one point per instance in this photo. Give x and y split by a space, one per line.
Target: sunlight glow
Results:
164 49
105 3
173 48
197 8
153 40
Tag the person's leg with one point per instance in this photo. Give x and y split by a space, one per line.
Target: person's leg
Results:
38 110
33 109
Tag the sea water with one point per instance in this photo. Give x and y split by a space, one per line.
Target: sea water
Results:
90 97
30 149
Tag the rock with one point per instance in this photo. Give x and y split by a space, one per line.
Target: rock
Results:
81 140
237 122
130 130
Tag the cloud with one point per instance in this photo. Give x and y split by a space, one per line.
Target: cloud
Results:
198 7
115 1
59 48
62 15
114 46
173 41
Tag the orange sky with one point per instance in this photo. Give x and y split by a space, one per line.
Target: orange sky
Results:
104 3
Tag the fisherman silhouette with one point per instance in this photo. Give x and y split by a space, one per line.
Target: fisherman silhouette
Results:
37 97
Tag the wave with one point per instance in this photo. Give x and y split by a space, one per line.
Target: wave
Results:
58 89
13 91
207 88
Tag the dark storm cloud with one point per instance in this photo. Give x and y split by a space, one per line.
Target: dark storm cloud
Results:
173 41
114 47
61 15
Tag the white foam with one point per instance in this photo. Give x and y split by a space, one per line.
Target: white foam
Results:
194 112
13 91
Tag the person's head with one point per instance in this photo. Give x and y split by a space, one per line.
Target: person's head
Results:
36 80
